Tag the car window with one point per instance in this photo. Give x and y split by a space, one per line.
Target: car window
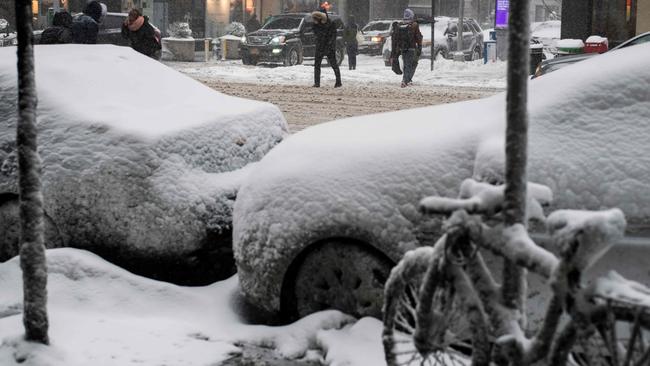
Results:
377 26
452 28
476 27
282 23
639 40
466 28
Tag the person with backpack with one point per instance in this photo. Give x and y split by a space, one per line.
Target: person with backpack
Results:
351 43
325 32
86 27
144 37
60 31
409 43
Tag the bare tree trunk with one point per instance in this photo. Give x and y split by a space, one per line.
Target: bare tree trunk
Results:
32 250
514 278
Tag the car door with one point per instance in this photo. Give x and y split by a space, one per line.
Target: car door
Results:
307 37
468 38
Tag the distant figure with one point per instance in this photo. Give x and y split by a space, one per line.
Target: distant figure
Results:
60 31
351 43
144 37
409 42
86 26
253 24
325 32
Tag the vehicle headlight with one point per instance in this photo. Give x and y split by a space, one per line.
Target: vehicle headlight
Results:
377 39
243 39
278 40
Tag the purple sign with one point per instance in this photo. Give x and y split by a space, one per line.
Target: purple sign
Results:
502 11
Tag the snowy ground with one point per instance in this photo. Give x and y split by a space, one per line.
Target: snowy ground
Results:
102 315
371 88
370 70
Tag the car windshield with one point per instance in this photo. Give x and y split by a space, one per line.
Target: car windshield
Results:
379 26
282 23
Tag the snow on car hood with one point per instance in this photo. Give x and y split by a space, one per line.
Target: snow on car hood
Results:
364 176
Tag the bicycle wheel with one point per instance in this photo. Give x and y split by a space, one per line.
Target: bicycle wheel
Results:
620 338
401 299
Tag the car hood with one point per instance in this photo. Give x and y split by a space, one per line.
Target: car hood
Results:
269 33
363 177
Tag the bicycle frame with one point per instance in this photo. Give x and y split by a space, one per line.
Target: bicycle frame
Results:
481 295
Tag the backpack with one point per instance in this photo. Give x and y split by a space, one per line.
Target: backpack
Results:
405 36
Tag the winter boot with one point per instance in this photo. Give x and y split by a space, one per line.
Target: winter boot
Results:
338 84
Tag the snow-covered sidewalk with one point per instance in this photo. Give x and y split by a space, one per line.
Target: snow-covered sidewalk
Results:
102 315
370 69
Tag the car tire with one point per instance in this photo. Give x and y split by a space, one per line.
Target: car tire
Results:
475 55
337 274
292 57
10 228
441 53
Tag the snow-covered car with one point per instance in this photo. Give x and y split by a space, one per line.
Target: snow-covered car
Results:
141 164
374 35
324 216
446 39
7 38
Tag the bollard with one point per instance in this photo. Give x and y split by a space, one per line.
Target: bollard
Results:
206 48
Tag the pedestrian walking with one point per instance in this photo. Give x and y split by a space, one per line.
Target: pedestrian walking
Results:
86 26
325 32
144 37
409 43
253 24
60 31
351 43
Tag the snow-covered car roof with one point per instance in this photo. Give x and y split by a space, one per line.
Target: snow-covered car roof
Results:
363 177
136 156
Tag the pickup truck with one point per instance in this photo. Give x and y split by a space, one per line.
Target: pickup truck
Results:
287 39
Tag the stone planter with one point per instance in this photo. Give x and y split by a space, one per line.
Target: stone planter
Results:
178 49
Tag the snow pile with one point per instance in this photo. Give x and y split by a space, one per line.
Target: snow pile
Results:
569 43
370 70
363 177
102 315
134 154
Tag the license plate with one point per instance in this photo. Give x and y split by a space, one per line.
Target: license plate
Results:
254 51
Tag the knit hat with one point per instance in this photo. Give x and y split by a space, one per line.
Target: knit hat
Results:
319 16
409 14
94 10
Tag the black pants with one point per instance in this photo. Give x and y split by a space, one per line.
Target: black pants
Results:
352 49
331 59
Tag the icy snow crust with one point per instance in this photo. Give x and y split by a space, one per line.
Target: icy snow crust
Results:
363 177
137 158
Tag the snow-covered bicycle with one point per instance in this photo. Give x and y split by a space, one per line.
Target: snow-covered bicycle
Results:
444 307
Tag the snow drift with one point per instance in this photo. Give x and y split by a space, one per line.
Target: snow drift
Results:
140 163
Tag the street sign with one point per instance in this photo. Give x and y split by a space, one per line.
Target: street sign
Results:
502 12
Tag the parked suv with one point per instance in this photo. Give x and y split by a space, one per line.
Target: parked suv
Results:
286 39
374 35
446 29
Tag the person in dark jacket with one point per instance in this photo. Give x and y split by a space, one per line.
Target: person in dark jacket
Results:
410 45
144 37
351 43
60 31
253 24
86 26
325 32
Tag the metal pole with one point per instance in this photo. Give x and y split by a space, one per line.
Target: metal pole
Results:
433 26
514 277
459 32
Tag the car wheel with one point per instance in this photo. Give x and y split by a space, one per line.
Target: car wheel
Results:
10 228
292 58
475 55
441 53
340 274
